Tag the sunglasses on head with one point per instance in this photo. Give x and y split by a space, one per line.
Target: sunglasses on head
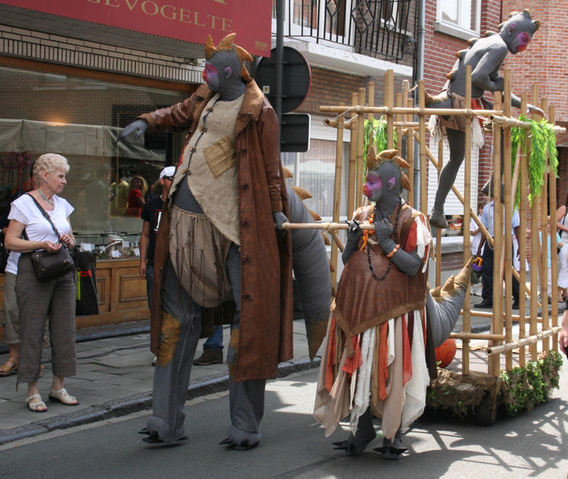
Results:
171 178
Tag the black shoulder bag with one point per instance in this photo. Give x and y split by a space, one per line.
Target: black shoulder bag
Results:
49 266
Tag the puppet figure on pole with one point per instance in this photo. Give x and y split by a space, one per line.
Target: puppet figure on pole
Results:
485 55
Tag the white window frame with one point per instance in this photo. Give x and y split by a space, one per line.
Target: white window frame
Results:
457 29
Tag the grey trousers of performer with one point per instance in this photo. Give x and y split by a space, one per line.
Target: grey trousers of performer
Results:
171 381
246 398
38 302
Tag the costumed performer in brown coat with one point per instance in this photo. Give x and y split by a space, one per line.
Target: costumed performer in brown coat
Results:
218 251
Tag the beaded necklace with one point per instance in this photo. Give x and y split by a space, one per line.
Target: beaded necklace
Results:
50 201
394 234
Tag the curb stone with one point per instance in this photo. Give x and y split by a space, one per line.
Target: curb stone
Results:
131 404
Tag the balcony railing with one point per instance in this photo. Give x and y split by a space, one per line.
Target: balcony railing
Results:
377 28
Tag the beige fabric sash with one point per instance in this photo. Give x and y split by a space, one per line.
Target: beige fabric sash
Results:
198 252
212 171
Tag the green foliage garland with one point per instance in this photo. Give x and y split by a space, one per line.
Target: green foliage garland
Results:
374 133
529 386
543 144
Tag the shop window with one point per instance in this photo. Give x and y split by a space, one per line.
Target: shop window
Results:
315 172
80 119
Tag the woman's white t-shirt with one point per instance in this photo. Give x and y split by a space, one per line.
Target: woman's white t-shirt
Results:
37 227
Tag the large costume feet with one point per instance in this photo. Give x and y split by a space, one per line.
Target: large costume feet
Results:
392 449
438 219
353 447
241 446
154 440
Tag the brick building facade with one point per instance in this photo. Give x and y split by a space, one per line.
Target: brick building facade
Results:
544 64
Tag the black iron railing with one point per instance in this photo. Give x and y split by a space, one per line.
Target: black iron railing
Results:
377 28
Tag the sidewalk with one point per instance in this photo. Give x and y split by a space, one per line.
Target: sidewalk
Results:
114 378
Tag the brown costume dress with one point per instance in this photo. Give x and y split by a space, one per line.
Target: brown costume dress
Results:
374 352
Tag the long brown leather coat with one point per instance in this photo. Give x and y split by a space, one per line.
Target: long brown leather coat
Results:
266 297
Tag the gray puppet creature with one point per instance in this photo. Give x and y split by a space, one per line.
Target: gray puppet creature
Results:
218 257
485 56
378 356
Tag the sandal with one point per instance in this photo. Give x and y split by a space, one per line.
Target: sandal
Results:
62 396
8 368
35 403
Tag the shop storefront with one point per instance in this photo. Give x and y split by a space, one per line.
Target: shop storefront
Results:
69 86
80 118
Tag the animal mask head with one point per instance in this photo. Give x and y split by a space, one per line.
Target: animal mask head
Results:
518 30
385 179
228 46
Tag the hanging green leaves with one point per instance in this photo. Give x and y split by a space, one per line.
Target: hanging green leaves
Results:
543 145
375 133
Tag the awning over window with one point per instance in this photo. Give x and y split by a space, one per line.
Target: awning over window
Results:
69 139
189 21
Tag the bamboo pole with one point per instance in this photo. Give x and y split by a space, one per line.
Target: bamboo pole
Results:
549 224
467 336
337 193
523 214
410 159
493 115
528 340
389 103
360 159
352 159
336 240
508 246
383 110
325 225
513 122
546 242
438 253
553 232
371 99
398 119
347 124
535 248
497 321
482 314
422 144
466 318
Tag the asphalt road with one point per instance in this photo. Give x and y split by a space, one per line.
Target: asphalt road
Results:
293 445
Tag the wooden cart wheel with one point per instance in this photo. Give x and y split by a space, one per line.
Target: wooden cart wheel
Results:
486 413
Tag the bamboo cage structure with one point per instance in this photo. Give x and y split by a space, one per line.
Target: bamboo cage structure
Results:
537 329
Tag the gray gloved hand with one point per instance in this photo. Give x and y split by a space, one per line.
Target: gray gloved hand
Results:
139 126
354 232
383 233
279 219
